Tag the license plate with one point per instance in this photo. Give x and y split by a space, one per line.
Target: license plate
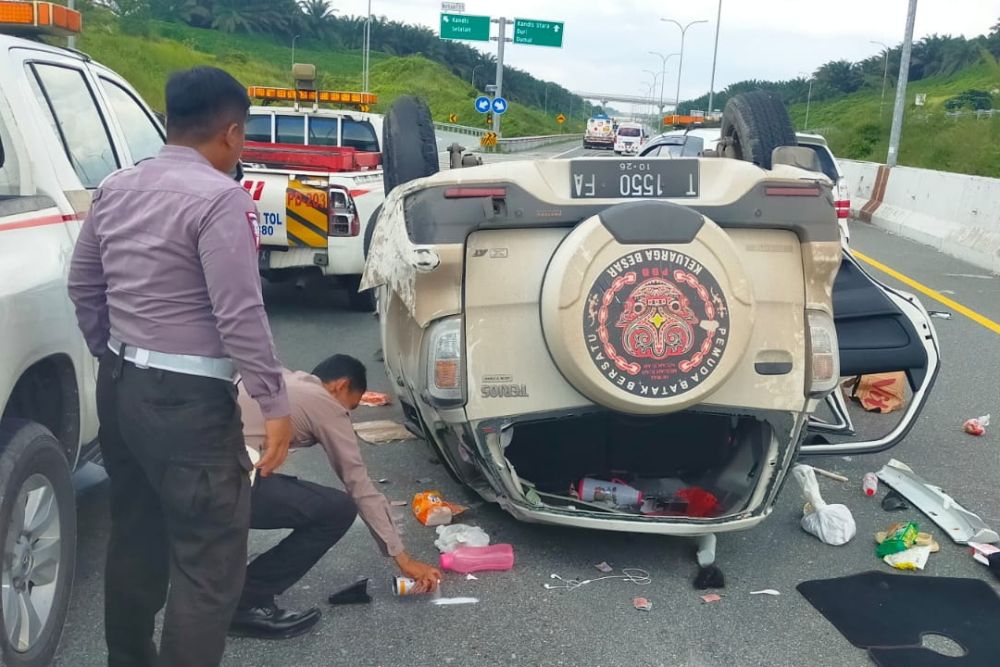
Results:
264 259
634 179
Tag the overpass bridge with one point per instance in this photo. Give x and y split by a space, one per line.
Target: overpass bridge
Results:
604 98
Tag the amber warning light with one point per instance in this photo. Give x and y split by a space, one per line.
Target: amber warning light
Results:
39 18
329 96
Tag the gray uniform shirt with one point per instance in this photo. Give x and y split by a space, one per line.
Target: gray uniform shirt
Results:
167 261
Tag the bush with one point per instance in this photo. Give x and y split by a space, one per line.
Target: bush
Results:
970 99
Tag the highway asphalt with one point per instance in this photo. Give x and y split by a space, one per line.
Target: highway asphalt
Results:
517 620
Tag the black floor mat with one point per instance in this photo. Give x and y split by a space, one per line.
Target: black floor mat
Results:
888 613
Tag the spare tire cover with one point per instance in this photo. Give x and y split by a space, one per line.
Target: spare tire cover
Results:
646 308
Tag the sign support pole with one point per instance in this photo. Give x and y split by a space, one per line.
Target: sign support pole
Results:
501 38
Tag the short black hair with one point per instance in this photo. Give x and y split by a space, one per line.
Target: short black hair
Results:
203 100
343 366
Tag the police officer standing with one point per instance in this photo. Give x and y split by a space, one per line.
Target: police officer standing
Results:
164 279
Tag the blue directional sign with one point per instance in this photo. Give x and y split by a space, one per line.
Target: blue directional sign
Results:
482 104
499 105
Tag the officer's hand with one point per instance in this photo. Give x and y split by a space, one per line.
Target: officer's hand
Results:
277 439
426 576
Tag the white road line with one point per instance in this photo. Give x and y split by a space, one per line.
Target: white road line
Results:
575 148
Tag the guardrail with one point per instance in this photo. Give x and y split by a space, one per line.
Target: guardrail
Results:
460 129
518 144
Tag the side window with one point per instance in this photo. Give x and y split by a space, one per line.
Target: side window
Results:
290 129
360 135
64 94
10 178
259 127
826 161
323 131
141 134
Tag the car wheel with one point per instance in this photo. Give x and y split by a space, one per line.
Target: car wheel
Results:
38 538
362 301
753 125
409 149
370 231
646 308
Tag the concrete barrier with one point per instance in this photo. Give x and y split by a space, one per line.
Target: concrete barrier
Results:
954 213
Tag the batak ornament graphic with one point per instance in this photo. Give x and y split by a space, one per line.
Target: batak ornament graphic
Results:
656 323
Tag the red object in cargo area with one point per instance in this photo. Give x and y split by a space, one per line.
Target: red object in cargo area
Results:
700 502
317 158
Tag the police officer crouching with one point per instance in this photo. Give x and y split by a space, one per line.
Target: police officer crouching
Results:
164 279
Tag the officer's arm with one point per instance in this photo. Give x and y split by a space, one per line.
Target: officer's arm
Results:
88 286
228 250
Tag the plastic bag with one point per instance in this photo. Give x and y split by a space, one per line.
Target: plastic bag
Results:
879 392
976 426
898 537
914 558
832 524
460 535
432 510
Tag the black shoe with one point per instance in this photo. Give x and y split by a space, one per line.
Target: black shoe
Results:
270 622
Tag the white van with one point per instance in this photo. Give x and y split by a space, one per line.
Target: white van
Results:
629 137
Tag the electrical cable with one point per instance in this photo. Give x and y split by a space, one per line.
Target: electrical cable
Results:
633 575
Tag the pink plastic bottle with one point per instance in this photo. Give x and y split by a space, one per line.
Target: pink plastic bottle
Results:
477 559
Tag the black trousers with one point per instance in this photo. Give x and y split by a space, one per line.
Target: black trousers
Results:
180 513
318 516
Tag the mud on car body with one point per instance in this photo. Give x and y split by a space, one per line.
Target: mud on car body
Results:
672 323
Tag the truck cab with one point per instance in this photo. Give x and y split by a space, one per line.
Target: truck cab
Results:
315 174
66 122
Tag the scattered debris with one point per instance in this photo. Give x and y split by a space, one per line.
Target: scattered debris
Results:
832 524
375 399
709 576
879 392
402 586
450 601
896 538
976 426
398 503
766 591
356 593
424 480
711 597
893 502
604 567
642 604
385 480
471 577
432 510
940 314
465 559
914 558
869 484
983 552
380 432
958 523
832 475
460 535
632 575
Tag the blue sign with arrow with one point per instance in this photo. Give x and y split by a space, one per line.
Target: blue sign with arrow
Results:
499 105
482 104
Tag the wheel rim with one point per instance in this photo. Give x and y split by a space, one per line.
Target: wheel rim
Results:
31 561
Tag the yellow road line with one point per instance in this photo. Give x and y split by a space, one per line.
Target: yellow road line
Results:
927 291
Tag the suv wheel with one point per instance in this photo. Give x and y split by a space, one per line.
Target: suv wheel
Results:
753 125
646 308
38 539
409 149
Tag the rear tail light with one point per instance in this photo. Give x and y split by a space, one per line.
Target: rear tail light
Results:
343 213
466 193
824 353
843 207
445 375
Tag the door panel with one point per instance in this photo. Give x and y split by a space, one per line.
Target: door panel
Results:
879 330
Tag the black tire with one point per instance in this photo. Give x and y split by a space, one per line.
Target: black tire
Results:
366 244
753 125
31 452
409 149
361 301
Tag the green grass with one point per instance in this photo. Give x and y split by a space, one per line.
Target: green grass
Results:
931 140
146 61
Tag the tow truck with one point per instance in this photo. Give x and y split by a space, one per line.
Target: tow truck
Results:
316 176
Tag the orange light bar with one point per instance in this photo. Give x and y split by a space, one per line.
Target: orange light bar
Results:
39 17
327 96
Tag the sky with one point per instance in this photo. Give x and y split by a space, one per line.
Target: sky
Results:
607 42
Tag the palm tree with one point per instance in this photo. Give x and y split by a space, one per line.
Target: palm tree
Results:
318 15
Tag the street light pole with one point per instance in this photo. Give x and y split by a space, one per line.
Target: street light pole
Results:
368 49
547 84
474 70
680 66
809 96
715 55
293 47
652 88
904 73
663 71
885 75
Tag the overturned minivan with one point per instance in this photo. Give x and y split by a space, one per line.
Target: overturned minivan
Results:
640 345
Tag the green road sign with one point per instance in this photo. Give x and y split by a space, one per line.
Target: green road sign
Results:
537 33
465 26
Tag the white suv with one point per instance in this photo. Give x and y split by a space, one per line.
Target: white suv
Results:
65 124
